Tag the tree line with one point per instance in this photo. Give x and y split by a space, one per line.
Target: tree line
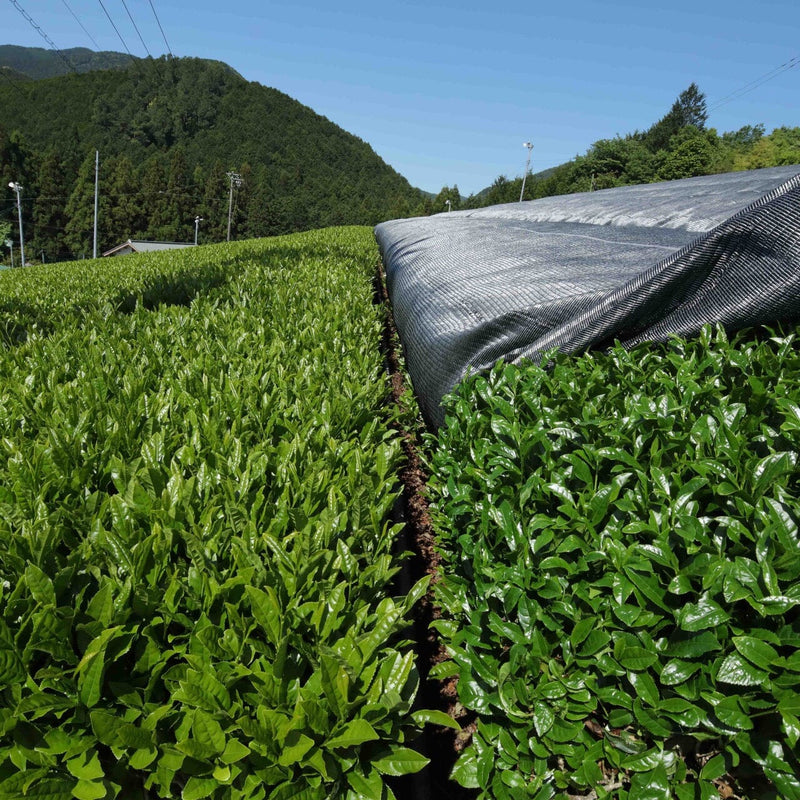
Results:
679 145
156 201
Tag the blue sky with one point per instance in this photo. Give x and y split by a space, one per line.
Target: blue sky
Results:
446 91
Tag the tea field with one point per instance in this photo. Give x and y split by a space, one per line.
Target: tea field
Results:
196 560
622 571
199 575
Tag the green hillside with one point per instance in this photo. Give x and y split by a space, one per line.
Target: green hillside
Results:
168 130
12 75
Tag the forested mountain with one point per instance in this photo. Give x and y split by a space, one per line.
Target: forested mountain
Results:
679 145
168 130
38 62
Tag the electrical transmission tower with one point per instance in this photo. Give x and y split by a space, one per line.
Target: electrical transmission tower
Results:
236 180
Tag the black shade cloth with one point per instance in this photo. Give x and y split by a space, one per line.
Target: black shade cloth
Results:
634 263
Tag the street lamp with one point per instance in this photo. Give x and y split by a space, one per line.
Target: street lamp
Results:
18 188
236 180
448 204
527 168
197 221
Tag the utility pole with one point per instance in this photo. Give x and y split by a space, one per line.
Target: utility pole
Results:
197 220
527 168
18 188
236 180
96 185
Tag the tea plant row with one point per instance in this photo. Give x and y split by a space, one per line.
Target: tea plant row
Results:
622 571
196 567
39 300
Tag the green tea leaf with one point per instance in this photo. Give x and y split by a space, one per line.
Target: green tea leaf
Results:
86 766
333 681
11 669
234 751
143 758
634 658
291 791
92 666
738 671
369 787
132 736
645 687
791 727
756 651
714 768
465 771
266 610
88 790
400 761
543 718
653 785
40 585
294 748
47 789
694 646
729 712
354 733
197 788
770 468
434 717
581 630
706 613
677 671
208 732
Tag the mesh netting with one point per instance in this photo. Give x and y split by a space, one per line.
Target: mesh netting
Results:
635 263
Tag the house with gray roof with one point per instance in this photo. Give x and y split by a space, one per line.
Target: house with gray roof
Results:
132 246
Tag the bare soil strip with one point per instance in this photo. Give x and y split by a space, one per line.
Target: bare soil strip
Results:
442 745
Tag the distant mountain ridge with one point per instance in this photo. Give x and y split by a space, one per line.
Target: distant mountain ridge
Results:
37 62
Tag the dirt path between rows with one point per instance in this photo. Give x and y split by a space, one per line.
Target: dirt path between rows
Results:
440 744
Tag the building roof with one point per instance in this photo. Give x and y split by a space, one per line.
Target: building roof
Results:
137 246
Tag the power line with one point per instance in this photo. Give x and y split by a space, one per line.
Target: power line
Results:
160 28
42 34
114 27
136 28
81 24
755 83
